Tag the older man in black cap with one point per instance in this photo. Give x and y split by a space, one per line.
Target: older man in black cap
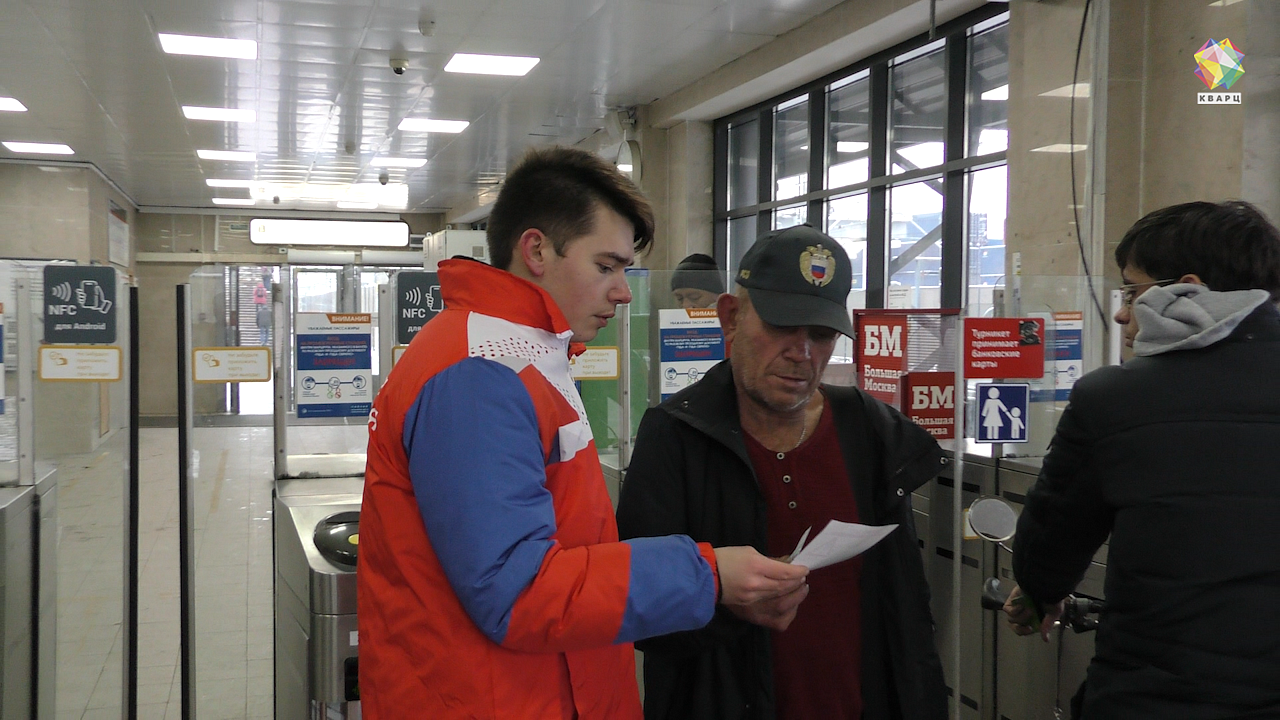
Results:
696 282
757 452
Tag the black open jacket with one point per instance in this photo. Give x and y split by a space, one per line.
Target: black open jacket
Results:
1176 457
690 474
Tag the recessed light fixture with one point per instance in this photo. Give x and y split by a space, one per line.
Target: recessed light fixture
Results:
194 112
238 202
1081 90
433 126
39 148
1224 3
209 46
229 155
1059 148
357 206
997 93
225 183
626 167
490 64
8 104
398 162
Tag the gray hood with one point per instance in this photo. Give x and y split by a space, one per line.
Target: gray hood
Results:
1187 316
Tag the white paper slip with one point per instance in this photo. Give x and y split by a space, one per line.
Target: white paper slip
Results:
800 544
838 542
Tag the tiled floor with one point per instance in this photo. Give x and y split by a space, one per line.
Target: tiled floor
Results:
233 609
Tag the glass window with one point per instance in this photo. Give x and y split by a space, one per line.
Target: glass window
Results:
791 149
989 91
915 245
786 217
917 118
847 224
744 164
742 233
317 290
988 205
849 131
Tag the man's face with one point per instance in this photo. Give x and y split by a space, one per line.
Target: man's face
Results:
777 368
1140 282
589 281
694 298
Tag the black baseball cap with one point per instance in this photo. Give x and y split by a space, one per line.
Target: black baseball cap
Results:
798 276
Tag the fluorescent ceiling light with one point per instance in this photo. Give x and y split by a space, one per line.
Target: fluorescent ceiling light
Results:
433 126
264 231
357 205
490 64
209 46
241 202
224 183
39 148
1081 91
997 93
851 146
8 104
194 112
1059 148
1224 3
398 162
230 155
625 167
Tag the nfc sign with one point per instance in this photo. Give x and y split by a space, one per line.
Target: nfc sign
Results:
418 300
929 399
79 304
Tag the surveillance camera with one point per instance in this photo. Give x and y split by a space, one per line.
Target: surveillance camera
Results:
275 200
399 65
384 177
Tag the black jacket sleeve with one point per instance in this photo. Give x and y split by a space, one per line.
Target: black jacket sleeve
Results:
1066 519
653 503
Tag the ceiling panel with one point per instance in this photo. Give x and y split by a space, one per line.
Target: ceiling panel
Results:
326 100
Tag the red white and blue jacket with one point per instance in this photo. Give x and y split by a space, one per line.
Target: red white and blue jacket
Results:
491 580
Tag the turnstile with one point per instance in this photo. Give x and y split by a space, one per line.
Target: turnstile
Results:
316 525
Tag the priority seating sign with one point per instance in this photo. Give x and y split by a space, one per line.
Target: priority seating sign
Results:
79 304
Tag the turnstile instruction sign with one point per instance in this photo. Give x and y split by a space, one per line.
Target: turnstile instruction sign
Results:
230 364
595 363
1002 412
80 363
418 300
1003 348
79 304
334 371
691 343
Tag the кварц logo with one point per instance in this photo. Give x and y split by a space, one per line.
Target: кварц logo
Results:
1219 65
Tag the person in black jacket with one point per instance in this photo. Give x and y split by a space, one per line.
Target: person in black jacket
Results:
756 452
1174 456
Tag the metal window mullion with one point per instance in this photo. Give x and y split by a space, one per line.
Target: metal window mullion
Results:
954 208
877 196
720 193
817 154
764 179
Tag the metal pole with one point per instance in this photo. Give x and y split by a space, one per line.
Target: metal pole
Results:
624 387
387 339
281 350
132 520
186 504
26 386
957 510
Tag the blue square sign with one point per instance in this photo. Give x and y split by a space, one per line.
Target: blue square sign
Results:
1002 412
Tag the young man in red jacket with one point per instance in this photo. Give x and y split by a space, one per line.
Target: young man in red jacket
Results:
491 580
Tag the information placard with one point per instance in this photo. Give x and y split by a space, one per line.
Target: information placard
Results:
334 364
230 364
1003 348
882 355
418 300
929 399
691 344
80 363
79 304
1002 412
595 363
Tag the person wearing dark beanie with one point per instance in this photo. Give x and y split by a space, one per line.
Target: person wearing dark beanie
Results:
696 282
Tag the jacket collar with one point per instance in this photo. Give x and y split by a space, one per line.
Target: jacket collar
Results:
467 284
711 406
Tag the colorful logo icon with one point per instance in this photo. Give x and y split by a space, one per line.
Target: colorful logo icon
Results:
1219 64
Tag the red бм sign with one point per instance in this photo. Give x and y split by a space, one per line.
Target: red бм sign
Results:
1003 348
882 355
929 399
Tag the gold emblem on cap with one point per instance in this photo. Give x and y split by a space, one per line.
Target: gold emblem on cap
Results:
744 274
817 265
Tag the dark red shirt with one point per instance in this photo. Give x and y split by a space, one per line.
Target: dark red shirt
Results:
817 661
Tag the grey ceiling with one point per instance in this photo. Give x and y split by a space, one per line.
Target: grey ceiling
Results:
94 77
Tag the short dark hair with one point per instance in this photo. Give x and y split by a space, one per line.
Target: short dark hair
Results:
1230 245
557 190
